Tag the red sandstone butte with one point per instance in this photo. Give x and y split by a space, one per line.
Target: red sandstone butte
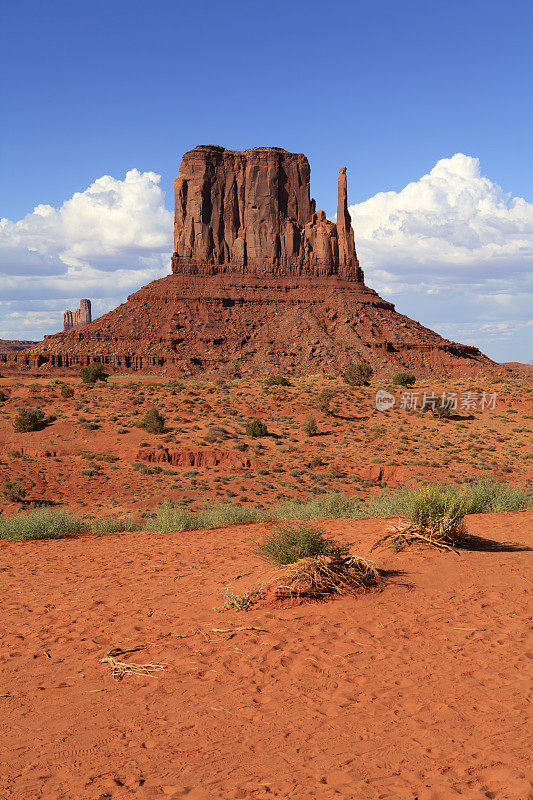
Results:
251 213
261 282
77 319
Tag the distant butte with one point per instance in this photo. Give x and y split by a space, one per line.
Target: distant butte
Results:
261 282
77 319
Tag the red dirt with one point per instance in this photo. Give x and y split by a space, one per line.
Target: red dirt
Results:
411 692
85 459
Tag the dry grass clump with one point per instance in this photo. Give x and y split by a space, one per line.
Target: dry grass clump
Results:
288 544
323 576
41 524
435 517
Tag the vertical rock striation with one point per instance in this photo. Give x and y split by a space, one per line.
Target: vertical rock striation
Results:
262 283
77 319
251 212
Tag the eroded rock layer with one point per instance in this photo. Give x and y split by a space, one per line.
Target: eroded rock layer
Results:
77 319
251 212
230 325
261 283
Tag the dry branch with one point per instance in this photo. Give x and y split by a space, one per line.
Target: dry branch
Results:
122 668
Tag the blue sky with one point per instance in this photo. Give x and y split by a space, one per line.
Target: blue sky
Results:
388 89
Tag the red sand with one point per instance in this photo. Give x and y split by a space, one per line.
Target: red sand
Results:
412 692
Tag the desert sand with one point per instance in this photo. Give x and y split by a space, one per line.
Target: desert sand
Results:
415 691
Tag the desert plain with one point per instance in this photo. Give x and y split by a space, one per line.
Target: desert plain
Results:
415 689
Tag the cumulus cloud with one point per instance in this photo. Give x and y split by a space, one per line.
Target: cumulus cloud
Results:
451 249
103 242
454 251
112 225
453 222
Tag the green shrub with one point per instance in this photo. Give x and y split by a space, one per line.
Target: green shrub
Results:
324 400
67 391
153 421
357 374
404 379
488 496
93 373
277 380
289 543
237 602
438 509
421 503
169 518
440 411
28 419
42 524
310 427
256 429
325 506
114 525
13 492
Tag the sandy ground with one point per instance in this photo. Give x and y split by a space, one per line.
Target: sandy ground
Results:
417 691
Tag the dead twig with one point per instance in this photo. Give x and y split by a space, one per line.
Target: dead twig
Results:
122 668
401 536
233 631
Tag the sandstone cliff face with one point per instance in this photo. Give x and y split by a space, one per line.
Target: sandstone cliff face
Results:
262 283
230 324
251 212
77 319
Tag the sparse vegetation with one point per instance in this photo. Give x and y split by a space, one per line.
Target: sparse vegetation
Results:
114 525
436 512
480 497
41 524
357 374
13 492
92 373
277 380
488 496
289 543
404 379
325 399
310 427
169 517
256 429
28 419
238 602
153 421
440 411
67 391
324 506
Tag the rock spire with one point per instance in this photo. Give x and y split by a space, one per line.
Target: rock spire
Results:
251 212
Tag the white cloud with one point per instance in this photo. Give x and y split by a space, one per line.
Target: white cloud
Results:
111 225
451 222
454 251
451 249
102 243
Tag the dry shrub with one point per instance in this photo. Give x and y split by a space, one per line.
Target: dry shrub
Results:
323 576
436 517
